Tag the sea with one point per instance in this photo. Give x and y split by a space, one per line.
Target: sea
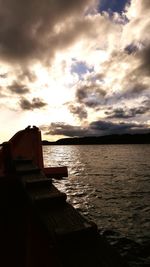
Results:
110 185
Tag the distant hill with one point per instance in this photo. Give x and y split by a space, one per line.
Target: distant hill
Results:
108 139
47 143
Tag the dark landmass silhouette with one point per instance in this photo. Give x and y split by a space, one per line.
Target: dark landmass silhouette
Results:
103 140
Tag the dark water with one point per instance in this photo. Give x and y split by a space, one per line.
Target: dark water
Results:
110 184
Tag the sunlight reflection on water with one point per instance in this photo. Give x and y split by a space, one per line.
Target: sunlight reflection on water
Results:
113 179
108 184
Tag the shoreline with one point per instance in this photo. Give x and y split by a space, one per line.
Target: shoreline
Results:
114 139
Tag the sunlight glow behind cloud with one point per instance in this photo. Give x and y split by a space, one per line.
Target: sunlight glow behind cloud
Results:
75 63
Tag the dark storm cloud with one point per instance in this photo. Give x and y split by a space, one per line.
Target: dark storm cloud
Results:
138 33
81 93
125 113
65 129
36 103
108 127
146 102
144 56
131 49
118 113
95 128
94 96
90 95
18 88
28 27
78 110
133 84
145 5
138 88
132 89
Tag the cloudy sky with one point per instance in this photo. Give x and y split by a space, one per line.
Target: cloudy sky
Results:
74 68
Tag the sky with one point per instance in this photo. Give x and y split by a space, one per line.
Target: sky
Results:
74 68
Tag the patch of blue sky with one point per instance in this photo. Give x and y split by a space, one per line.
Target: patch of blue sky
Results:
80 68
112 6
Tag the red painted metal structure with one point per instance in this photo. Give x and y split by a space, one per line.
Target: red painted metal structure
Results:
27 144
38 228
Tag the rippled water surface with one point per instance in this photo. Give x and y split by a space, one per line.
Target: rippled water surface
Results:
110 184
